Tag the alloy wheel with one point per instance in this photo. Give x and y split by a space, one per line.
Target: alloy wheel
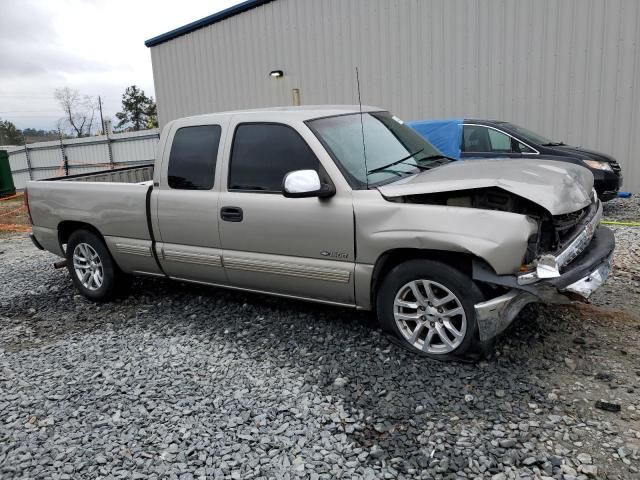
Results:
88 266
430 317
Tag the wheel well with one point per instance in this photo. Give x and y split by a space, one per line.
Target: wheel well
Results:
66 228
459 260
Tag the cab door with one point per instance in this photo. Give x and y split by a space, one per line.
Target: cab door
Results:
302 247
187 200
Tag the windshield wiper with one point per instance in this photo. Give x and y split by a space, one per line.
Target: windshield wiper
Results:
553 144
403 159
434 157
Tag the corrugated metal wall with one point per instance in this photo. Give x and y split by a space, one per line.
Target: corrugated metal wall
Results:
569 69
45 159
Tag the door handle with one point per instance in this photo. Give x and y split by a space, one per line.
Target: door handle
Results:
231 214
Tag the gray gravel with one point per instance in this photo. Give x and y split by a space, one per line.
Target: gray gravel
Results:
186 382
623 209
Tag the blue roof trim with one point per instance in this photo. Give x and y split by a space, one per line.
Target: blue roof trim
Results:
206 21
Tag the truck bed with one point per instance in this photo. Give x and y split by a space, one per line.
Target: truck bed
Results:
136 174
114 202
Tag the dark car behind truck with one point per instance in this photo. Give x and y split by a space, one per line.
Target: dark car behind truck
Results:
493 138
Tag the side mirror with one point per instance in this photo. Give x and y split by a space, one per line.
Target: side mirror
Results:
305 183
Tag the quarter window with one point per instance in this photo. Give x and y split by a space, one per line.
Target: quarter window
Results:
263 153
192 161
499 141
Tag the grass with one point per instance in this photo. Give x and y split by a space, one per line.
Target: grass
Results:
13 216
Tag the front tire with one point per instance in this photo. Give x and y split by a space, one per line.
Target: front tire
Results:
92 269
429 306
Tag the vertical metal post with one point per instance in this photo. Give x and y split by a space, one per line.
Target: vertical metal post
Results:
65 159
295 93
106 132
26 154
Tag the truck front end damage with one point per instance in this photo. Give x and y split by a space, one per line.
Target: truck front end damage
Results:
566 253
577 268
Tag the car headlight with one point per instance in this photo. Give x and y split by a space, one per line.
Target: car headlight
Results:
596 165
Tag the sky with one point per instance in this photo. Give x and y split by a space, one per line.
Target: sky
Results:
94 46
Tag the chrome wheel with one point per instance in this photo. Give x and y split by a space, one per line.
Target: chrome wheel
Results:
88 266
430 316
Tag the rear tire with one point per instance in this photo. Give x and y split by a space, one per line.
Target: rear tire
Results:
429 306
92 269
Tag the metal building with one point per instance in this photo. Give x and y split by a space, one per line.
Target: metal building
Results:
569 69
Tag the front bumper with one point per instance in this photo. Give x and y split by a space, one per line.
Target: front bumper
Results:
606 183
583 276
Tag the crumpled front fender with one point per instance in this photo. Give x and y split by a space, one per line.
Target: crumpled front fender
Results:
499 238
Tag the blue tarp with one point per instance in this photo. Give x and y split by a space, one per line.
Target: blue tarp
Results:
445 135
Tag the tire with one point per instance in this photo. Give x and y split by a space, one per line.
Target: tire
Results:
99 288
416 315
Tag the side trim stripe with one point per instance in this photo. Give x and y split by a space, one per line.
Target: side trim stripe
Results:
289 269
197 258
133 249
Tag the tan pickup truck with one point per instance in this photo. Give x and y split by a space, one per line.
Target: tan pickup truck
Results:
335 205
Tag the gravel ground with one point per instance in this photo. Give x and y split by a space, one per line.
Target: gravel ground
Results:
623 209
186 382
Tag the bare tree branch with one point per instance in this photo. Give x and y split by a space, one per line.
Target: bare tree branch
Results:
79 111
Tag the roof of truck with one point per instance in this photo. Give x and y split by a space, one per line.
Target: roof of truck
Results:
306 112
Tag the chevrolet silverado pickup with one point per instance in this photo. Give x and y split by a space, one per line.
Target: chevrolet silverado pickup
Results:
340 205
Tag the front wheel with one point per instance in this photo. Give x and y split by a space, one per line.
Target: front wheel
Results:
429 306
93 271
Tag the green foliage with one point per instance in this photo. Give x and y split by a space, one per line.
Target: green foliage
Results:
139 112
9 134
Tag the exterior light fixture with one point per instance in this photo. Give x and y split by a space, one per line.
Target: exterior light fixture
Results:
276 73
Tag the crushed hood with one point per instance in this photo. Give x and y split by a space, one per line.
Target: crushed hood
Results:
557 186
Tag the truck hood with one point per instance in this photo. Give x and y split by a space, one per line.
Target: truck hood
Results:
558 187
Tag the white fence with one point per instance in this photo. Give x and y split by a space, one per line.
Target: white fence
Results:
81 155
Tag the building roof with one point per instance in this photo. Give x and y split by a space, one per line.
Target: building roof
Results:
206 21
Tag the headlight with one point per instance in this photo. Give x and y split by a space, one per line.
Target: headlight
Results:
596 165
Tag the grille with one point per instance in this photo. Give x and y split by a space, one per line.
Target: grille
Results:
615 166
566 224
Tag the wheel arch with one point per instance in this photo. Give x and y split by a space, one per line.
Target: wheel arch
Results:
67 227
461 261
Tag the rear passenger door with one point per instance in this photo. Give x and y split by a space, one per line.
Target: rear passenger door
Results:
302 247
187 203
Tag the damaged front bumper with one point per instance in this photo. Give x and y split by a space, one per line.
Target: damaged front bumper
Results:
585 273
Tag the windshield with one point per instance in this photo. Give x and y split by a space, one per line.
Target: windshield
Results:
528 135
386 140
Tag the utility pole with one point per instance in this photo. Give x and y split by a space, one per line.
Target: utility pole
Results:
101 118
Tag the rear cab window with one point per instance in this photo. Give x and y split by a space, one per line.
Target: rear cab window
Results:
263 153
192 160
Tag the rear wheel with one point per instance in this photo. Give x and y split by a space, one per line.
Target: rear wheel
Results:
429 306
92 270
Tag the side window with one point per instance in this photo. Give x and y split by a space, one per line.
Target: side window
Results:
192 161
522 148
263 153
475 139
500 142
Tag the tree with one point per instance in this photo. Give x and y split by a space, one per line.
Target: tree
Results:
9 134
79 111
138 111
